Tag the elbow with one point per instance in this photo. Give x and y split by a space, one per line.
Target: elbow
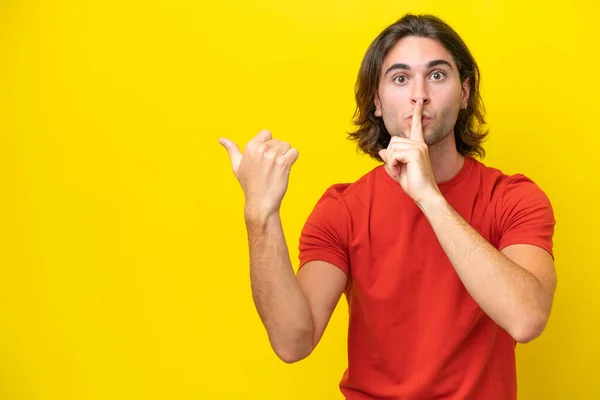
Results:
292 351
291 357
525 335
530 328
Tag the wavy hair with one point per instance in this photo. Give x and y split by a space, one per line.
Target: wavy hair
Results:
371 135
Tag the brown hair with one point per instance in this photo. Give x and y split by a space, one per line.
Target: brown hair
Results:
372 135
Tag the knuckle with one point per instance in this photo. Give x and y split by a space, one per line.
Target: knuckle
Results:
269 154
280 161
262 147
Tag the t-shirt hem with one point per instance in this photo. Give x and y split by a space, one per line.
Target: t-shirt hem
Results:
540 244
322 256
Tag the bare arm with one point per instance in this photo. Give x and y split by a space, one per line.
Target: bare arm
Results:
294 310
514 287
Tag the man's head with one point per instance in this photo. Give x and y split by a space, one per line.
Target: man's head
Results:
419 57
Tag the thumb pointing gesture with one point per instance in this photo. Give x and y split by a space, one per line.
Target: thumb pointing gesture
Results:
235 155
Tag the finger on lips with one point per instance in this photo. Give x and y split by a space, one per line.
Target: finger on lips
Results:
416 129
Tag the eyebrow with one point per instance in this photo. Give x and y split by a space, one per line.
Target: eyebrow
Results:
430 64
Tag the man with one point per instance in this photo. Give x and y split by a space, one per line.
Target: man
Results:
445 263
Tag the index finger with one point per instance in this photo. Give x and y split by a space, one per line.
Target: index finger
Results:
416 129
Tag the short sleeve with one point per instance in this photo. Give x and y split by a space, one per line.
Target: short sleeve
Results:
526 215
325 234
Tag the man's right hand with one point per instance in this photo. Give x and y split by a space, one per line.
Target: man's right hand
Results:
263 171
294 311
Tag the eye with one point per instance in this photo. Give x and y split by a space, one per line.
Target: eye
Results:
400 79
437 75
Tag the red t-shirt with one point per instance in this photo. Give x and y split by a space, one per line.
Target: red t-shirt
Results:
414 330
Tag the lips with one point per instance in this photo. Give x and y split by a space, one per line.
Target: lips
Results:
423 118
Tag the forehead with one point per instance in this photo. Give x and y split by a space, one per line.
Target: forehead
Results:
417 52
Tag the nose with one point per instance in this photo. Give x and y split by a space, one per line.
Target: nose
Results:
419 92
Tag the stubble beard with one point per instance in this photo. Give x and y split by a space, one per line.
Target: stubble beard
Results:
435 131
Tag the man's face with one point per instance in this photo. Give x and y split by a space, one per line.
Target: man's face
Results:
418 68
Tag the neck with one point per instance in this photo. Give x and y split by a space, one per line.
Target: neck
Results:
446 161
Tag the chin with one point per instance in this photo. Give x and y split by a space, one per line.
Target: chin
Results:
433 138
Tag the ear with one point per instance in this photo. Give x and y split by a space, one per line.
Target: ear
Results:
465 92
377 104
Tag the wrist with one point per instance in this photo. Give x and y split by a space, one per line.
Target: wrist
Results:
433 202
258 216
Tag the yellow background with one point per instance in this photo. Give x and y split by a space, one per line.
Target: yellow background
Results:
123 257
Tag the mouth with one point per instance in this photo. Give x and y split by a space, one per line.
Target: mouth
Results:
423 118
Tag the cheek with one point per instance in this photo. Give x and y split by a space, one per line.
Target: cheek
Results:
449 100
393 101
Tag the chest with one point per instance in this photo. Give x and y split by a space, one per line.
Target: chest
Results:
394 249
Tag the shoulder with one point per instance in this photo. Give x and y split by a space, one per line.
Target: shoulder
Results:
523 211
510 188
326 233
522 200
338 204
350 192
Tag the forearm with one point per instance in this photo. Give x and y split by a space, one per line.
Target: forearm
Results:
509 294
279 300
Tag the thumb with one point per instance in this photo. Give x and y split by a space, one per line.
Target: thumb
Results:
382 154
389 167
235 155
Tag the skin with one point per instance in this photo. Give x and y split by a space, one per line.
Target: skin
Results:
420 94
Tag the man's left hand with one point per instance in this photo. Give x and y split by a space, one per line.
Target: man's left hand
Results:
407 161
